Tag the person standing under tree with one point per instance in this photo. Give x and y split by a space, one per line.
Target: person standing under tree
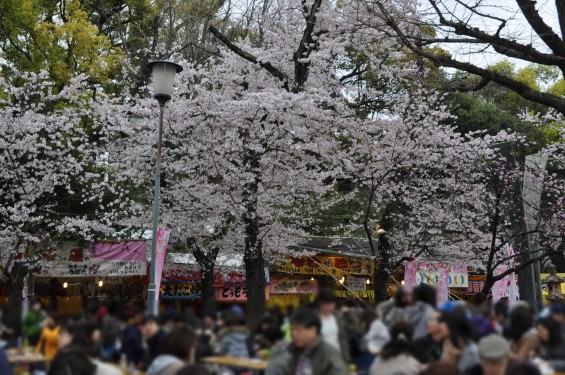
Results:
31 326
333 329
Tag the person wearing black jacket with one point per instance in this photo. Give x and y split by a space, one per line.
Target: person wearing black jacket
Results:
154 335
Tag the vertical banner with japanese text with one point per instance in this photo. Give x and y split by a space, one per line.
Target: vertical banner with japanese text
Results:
160 254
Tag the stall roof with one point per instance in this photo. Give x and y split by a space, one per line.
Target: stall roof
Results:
349 246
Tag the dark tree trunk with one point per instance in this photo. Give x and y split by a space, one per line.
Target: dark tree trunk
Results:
207 289
15 296
380 284
255 270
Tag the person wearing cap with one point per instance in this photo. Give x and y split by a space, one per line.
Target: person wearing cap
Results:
494 355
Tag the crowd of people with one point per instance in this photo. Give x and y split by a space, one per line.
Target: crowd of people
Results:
407 335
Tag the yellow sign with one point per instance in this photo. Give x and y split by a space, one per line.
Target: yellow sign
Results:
321 265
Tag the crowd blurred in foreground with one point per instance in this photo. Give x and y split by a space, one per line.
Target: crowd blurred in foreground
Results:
407 335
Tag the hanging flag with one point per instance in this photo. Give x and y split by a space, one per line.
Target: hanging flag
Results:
500 287
442 286
410 270
160 254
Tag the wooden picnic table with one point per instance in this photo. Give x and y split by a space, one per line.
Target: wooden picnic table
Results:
243 363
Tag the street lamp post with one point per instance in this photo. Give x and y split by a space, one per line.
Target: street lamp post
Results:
163 76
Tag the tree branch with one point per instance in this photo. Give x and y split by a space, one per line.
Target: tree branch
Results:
546 33
249 57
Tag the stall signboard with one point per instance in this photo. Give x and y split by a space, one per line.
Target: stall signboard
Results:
179 274
125 258
293 286
180 291
234 293
356 283
323 265
429 273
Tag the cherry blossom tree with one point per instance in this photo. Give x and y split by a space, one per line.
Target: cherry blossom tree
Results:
54 181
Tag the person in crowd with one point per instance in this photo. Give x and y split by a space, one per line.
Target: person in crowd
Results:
211 323
333 327
194 369
83 337
524 340
109 332
275 343
233 337
500 316
154 335
494 354
429 347
441 368
71 361
177 351
259 340
523 368
308 353
397 356
5 367
551 340
393 310
377 334
351 314
48 343
5 331
458 348
31 325
481 316
422 307
132 341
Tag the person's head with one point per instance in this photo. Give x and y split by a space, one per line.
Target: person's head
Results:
231 319
210 320
369 315
455 326
305 326
273 335
36 306
180 343
52 320
442 368
501 310
193 369
325 302
524 368
521 321
73 361
150 326
401 298
73 334
549 332
400 342
266 323
425 293
135 318
179 320
494 354
558 312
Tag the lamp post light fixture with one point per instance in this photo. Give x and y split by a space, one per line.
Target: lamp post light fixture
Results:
163 76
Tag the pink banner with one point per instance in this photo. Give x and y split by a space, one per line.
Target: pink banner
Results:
499 287
442 286
161 253
513 294
126 250
410 270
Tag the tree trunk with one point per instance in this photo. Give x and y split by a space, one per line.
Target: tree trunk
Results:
255 270
15 296
380 284
207 289
489 283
